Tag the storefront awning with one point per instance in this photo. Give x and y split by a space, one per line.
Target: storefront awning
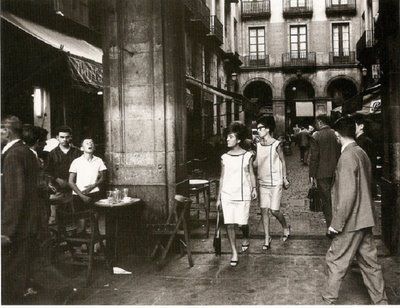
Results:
371 101
84 59
219 92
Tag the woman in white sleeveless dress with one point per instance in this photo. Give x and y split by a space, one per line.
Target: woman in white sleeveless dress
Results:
237 184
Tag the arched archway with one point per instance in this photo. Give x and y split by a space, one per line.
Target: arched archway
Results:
341 90
260 93
299 102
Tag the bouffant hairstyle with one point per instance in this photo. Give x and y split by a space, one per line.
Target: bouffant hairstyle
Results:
346 126
268 122
239 129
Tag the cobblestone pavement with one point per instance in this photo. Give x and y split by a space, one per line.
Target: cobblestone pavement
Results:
290 273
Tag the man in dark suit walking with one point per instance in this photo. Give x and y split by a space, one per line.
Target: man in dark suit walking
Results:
353 219
20 214
325 152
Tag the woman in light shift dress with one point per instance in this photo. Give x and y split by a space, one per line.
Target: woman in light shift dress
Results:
237 185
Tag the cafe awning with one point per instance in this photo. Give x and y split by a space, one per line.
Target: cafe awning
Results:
84 59
371 101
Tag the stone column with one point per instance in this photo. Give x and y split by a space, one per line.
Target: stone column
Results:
144 105
278 107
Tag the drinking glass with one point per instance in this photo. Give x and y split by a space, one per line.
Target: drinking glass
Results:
110 196
125 192
117 195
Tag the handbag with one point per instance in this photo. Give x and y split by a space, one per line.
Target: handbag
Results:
217 236
315 200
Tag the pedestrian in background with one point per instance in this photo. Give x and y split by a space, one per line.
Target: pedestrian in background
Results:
303 141
325 151
353 219
237 186
20 214
272 177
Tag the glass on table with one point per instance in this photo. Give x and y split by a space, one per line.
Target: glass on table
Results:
125 193
117 195
110 196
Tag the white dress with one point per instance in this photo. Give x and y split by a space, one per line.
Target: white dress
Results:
236 188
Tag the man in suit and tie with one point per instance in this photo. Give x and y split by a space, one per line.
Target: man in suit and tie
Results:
20 214
353 219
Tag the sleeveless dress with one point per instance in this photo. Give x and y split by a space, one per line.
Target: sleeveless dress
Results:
236 188
270 175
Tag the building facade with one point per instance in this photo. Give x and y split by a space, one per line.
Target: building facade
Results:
299 57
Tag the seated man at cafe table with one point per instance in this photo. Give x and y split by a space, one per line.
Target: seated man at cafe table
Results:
87 173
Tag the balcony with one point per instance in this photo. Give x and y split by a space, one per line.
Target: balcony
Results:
336 58
231 1
365 46
337 8
302 60
216 30
199 13
254 61
303 9
256 9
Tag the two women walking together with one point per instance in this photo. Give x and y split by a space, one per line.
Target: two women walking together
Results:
238 184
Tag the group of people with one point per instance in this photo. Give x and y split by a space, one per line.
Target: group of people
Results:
342 171
33 181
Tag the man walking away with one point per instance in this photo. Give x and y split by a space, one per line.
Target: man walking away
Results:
353 219
325 152
19 212
304 144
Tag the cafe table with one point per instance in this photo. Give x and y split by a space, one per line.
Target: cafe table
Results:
113 211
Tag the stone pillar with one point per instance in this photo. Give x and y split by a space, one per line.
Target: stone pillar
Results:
278 108
144 105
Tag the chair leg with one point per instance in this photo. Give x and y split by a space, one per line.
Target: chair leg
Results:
207 212
187 240
91 249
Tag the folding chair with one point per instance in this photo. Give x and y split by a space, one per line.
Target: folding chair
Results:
171 229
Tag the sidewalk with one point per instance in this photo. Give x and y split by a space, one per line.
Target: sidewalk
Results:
290 273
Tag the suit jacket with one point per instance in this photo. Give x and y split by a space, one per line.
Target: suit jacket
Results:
325 151
352 206
20 203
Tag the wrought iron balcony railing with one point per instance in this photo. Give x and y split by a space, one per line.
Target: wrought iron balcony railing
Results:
216 28
255 61
299 60
336 58
256 9
299 8
340 7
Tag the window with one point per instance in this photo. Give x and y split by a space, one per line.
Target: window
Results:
297 3
257 45
340 40
339 2
298 42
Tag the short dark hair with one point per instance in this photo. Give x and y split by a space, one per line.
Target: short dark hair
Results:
239 129
31 134
323 118
13 124
268 122
359 119
346 126
63 129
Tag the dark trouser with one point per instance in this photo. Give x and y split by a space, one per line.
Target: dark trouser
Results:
345 246
324 188
304 154
16 268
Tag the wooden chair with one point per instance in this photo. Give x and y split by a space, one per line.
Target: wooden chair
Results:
73 240
171 229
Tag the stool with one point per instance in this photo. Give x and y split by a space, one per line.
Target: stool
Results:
171 229
197 187
72 239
